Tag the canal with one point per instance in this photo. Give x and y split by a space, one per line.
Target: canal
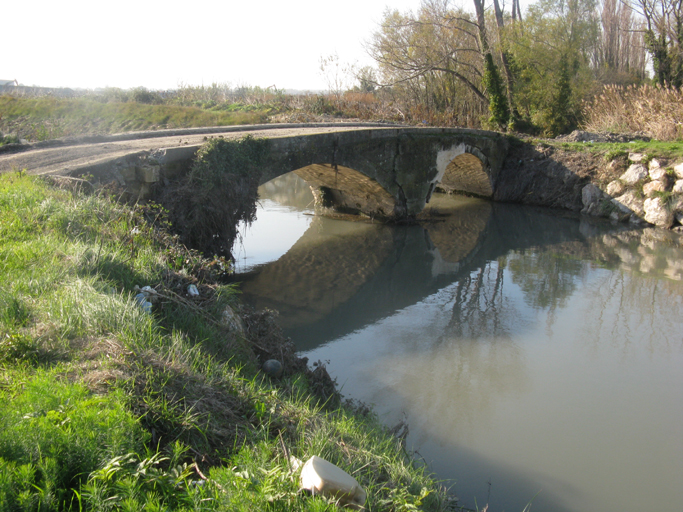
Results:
537 357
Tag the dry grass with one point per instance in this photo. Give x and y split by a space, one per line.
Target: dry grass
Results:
654 111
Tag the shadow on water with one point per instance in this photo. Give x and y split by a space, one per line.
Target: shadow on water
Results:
340 276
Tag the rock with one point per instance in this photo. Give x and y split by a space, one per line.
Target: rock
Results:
614 188
636 158
678 187
657 213
678 170
231 320
629 203
192 291
657 173
634 174
677 203
322 477
654 186
272 368
590 195
654 164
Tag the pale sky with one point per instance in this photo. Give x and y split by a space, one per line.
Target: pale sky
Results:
158 45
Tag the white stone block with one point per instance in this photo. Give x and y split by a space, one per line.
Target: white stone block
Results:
322 477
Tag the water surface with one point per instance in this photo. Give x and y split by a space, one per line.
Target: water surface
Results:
535 356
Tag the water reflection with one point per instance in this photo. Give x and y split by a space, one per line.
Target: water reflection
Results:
530 352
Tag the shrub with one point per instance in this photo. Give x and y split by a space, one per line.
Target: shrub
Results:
219 192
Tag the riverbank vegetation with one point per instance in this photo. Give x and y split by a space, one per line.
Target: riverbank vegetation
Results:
113 405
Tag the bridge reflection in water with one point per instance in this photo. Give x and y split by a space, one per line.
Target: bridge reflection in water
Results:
529 351
341 276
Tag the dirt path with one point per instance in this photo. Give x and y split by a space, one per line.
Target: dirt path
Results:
69 155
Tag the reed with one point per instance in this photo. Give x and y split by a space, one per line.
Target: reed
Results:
652 110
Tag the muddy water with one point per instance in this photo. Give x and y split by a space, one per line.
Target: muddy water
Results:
536 358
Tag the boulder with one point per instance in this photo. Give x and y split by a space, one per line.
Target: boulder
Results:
629 203
678 170
590 196
322 477
614 188
636 158
634 174
232 321
657 173
654 164
654 186
272 368
657 213
678 187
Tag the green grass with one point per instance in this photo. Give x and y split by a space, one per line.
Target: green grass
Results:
654 149
48 118
106 407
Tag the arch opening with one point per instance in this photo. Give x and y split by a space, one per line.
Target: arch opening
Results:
347 190
467 173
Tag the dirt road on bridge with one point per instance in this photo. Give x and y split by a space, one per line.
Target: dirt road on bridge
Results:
69 156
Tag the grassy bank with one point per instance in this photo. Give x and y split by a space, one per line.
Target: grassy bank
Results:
46 117
109 407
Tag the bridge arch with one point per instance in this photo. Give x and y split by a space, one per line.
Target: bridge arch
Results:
464 168
346 189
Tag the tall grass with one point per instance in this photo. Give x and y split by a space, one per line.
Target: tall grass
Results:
655 111
109 408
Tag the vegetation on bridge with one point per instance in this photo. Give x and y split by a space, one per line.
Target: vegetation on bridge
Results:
207 206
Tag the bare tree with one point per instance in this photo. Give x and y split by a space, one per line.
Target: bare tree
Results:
620 56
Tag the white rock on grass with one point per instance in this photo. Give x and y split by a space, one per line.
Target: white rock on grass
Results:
634 174
657 213
636 158
322 477
678 187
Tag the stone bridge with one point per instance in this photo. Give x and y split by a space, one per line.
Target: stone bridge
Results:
389 173
384 171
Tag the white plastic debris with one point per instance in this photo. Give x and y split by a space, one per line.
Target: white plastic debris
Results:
322 477
142 301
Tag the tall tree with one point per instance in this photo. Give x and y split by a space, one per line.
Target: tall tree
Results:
663 35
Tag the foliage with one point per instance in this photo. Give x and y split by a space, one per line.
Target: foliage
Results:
498 104
663 38
218 193
8 139
552 56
